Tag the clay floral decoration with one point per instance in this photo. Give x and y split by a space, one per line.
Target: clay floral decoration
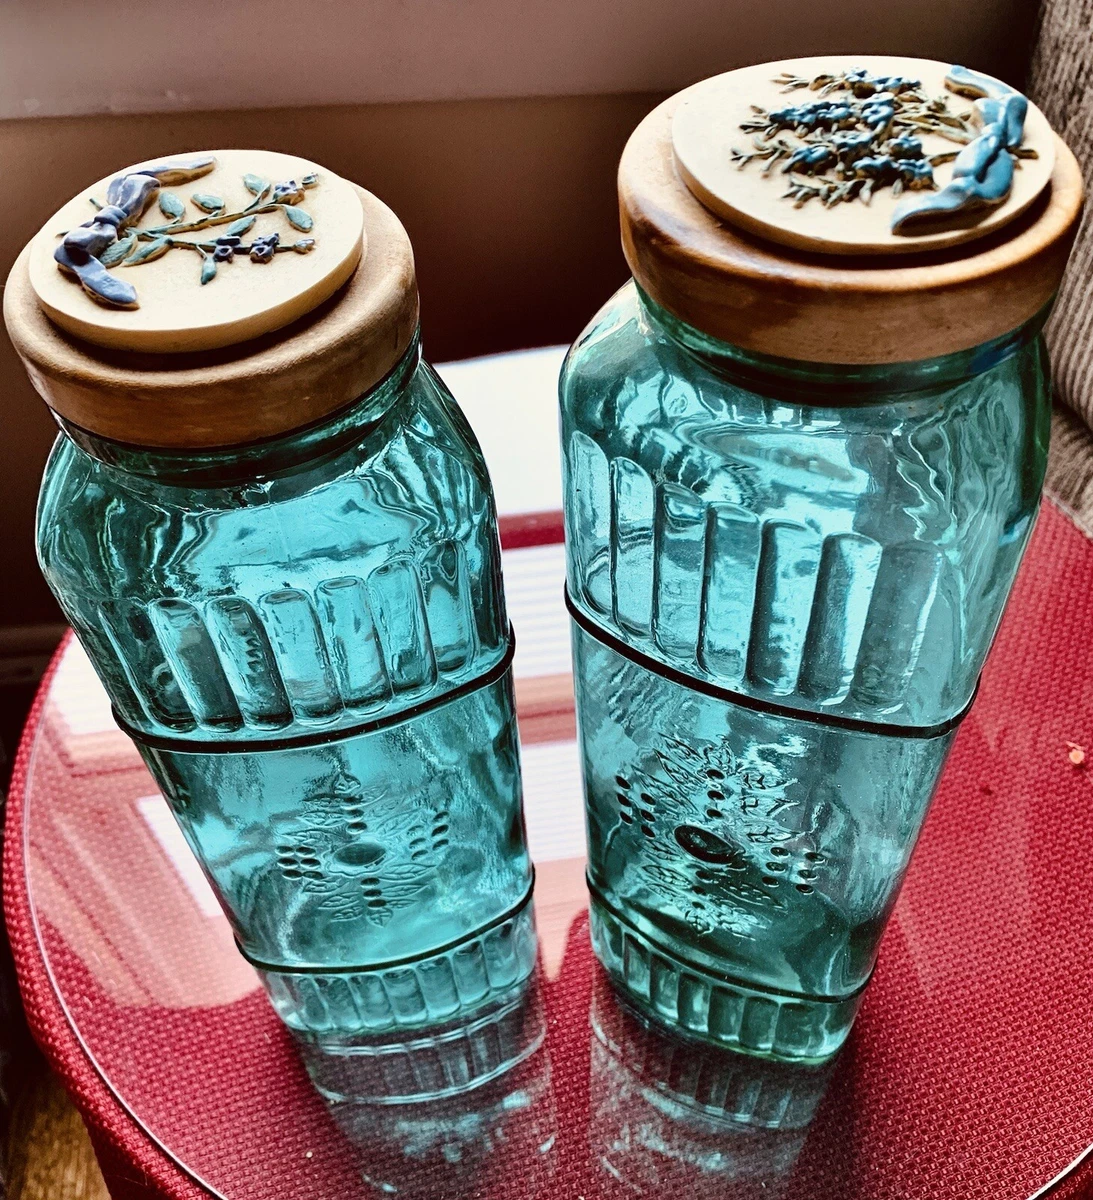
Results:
112 237
863 133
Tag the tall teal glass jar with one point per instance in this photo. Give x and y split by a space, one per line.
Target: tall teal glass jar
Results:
304 633
794 512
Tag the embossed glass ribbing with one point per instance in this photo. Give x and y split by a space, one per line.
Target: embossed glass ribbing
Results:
785 580
308 640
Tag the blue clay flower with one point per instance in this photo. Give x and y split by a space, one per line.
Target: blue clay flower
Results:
287 192
224 248
263 248
905 147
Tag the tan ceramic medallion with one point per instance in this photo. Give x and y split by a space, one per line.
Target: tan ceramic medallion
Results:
250 288
707 142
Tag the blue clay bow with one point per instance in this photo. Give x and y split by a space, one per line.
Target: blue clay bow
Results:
983 170
127 199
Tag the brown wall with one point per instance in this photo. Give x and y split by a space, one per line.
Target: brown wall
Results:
510 205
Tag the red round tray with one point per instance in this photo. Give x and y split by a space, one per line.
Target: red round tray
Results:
969 1072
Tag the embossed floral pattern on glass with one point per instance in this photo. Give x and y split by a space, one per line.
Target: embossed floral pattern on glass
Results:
785 580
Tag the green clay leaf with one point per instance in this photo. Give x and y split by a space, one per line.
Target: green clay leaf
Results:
148 251
296 218
255 184
240 227
208 269
170 205
113 255
207 203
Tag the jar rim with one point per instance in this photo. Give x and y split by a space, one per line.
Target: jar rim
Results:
838 383
261 458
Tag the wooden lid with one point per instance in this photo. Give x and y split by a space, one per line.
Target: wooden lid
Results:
695 255
279 335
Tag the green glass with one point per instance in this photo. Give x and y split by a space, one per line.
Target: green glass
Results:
307 640
671 1116
784 578
479 1121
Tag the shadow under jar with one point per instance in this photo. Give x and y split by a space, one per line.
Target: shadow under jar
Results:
305 636
793 518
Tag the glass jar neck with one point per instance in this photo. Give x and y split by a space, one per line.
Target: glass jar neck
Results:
835 382
263 459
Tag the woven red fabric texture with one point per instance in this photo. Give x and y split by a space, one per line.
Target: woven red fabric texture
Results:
134 1167
969 1075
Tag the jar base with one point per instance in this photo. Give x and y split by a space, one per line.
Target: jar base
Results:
445 1061
341 1012
687 1000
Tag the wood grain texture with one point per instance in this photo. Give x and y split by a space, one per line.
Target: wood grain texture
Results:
49 1152
773 300
259 389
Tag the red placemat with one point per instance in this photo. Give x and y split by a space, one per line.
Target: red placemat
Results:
969 1073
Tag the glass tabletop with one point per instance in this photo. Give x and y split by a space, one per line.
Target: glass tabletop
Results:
968 1074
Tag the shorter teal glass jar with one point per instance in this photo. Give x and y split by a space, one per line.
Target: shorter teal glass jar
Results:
791 535
304 632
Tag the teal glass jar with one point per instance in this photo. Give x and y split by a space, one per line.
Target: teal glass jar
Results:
784 573
304 633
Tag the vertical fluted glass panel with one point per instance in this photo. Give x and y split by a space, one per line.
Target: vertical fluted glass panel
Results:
308 641
785 579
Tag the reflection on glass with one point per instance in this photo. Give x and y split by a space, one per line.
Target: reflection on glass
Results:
470 1105
307 639
677 1118
784 578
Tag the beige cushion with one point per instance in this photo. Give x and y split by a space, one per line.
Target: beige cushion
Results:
1061 83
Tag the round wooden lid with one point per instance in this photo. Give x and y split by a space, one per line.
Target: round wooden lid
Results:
227 342
713 240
